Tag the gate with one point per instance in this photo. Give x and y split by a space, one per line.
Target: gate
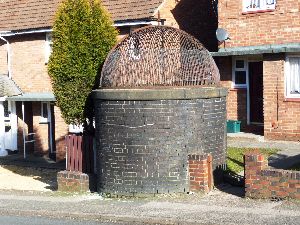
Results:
79 153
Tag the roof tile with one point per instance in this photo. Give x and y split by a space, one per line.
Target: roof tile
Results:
31 14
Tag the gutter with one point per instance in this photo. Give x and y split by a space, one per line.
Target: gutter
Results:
116 24
31 31
8 57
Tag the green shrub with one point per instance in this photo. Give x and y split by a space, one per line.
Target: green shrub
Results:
83 34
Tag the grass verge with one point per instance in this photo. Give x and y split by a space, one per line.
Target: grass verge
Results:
235 157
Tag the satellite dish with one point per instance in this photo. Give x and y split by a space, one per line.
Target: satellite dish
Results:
222 35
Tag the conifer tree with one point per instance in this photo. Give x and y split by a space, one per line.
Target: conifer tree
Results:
83 34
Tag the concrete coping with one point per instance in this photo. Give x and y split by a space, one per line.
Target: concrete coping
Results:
160 93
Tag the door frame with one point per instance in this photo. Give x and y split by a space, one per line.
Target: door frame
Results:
248 94
247 59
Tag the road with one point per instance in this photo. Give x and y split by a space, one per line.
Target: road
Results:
26 220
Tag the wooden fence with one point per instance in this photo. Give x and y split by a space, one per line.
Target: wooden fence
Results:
80 154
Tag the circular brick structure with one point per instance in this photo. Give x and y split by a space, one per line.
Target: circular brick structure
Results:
144 136
158 102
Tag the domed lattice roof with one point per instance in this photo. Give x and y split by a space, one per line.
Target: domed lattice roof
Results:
159 56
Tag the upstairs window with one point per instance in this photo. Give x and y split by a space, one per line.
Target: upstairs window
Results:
258 5
48 47
292 77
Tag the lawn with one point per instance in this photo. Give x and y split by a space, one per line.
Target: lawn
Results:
235 157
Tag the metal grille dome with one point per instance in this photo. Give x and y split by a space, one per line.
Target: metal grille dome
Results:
159 56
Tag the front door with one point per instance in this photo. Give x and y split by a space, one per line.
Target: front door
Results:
11 127
256 92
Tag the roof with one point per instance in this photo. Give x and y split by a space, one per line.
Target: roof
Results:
26 14
34 97
131 9
34 14
260 49
8 87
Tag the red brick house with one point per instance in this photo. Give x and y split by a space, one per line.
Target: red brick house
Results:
25 46
260 64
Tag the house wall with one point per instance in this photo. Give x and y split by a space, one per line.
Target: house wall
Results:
3 58
276 27
29 71
282 117
198 18
28 61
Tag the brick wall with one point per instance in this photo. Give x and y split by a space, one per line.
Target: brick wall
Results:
60 130
3 57
143 146
276 27
28 63
282 117
263 182
41 130
197 18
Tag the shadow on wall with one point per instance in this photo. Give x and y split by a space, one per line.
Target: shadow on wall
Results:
200 19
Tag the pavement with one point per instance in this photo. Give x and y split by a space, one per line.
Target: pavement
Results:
221 206
287 156
30 174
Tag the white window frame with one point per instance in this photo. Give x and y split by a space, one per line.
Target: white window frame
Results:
48 118
234 69
258 5
48 47
287 77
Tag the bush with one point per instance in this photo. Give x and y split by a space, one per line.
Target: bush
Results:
83 34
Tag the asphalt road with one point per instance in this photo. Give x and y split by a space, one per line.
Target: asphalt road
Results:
31 220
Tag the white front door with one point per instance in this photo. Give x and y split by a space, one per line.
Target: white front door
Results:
11 126
2 128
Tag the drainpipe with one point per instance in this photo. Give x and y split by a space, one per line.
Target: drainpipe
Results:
8 57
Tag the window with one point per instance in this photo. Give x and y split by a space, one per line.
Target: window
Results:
292 77
45 112
257 5
239 73
48 47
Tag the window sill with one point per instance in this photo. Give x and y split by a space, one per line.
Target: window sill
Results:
292 100
258 11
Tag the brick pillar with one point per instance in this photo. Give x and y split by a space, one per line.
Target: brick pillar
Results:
254 162
200 173
69 181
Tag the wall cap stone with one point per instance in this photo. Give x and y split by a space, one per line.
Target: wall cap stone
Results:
159 93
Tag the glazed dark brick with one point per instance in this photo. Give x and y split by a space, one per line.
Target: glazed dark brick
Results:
143 146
